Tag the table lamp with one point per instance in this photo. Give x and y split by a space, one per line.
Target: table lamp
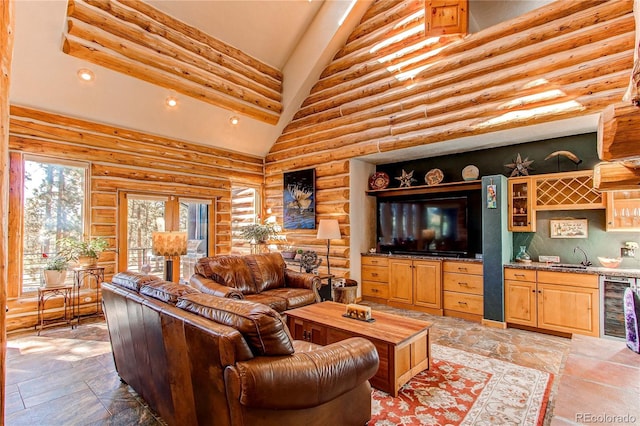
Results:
328 229
169 244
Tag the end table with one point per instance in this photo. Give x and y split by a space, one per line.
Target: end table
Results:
47 293
84 277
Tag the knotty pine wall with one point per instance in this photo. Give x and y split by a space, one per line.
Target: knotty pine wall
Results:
567 59
120 160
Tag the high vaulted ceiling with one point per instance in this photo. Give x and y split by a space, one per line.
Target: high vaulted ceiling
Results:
298 37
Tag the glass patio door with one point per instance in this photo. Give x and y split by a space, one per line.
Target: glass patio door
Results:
145 215
193 219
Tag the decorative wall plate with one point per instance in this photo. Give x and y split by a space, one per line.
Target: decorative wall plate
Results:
379 180
470 172
434 177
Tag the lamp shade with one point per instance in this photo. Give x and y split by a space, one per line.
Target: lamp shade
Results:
169 243
328 229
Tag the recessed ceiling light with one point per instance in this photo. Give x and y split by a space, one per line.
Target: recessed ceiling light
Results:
234 120
171 101
86 74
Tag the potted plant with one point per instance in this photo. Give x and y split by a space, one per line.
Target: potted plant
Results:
86 253
288 252
55 270
258 233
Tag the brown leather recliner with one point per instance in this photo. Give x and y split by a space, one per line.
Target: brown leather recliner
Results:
262 278
197 359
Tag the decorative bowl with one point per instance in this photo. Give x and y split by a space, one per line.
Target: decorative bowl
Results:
610 262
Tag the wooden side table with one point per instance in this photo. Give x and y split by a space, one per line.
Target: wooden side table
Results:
85 276
47 293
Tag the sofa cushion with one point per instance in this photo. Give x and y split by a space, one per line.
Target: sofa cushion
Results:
267 270
262 327
275 302
295 297
133 280
231 271
167 291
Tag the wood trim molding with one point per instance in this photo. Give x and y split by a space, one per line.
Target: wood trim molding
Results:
494 324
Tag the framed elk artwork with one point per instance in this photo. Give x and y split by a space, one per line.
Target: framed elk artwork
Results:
299 199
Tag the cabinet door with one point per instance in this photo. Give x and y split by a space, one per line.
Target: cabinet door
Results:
446 17
520 204
307 331
520 302
623 211
427 284
401 280
568 309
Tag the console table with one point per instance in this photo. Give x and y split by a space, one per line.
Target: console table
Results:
84 277
46 293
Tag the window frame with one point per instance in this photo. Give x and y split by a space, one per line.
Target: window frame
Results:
258 210
17 290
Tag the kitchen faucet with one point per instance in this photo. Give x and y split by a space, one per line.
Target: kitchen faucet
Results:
586 261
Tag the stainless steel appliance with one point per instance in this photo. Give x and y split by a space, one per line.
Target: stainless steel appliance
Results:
612 305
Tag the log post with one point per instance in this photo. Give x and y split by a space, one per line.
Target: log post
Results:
6 51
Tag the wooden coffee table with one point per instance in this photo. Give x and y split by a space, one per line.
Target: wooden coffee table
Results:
402 343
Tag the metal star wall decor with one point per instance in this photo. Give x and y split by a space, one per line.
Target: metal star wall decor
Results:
519 166
406 178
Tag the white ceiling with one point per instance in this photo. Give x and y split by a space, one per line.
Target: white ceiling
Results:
298 37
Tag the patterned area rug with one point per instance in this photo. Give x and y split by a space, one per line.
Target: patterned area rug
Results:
462 388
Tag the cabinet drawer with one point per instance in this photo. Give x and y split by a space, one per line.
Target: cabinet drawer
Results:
462 267
375 260
519 274
469 303
463 283
375 273
568 278
375 289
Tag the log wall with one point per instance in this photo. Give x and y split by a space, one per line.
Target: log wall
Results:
7 25
385 91
121 160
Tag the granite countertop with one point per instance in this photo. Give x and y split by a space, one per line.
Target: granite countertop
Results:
424 257
614 272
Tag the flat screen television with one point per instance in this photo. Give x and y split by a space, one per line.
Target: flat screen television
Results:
435 226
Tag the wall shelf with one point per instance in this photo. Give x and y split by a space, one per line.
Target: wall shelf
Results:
427 189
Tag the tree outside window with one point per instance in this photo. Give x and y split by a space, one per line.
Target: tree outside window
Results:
54 207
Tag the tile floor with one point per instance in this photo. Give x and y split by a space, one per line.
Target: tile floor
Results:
67 377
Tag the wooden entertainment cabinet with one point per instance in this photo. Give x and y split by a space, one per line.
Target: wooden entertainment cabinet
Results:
434 285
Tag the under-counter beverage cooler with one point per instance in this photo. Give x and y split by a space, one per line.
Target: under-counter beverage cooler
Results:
612 289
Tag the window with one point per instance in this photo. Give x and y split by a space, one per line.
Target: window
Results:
244 211
54 208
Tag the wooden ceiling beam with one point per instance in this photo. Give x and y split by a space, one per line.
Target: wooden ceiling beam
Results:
615 176
618 137
147 44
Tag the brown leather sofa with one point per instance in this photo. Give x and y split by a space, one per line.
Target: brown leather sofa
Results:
198 359
262 278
